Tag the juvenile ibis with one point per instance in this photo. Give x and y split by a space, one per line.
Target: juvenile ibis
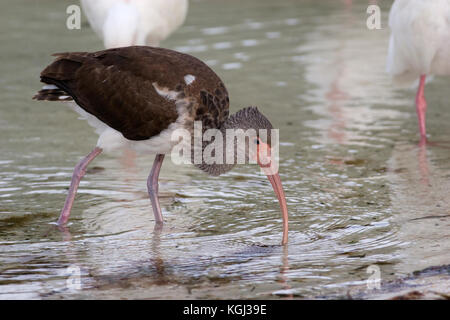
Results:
137 97
123 23
419 46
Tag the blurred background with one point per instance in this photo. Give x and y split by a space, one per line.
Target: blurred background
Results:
359 190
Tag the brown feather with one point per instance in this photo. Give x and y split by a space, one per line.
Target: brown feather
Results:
116 86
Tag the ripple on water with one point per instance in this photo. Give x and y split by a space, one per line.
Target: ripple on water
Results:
318 77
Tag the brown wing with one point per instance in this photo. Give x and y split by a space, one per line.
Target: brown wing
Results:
116 86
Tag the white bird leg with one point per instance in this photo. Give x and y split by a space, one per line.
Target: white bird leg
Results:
152 186
78 173
421 108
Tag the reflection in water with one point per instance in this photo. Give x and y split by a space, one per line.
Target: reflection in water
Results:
348 74
157 255
128 162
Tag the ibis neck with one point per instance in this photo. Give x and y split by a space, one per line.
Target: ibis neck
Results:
212 158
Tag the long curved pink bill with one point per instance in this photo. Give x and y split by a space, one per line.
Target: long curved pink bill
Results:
278 188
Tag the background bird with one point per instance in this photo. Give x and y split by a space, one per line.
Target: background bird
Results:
419 46
138 97
123 23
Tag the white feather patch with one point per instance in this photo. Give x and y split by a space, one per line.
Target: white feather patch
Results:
189 78
49 87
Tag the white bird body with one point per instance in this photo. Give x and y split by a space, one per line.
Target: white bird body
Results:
123 23
420 39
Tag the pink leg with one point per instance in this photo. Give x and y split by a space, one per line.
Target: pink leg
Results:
78 173
421 108
152 186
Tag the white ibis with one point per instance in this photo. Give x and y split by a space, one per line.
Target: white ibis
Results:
136 97
123 23
419 46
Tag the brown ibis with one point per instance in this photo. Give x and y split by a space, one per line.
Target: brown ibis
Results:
138 97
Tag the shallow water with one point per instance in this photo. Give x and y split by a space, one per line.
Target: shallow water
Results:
359 190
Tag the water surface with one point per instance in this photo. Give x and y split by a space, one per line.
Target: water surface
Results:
359 190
